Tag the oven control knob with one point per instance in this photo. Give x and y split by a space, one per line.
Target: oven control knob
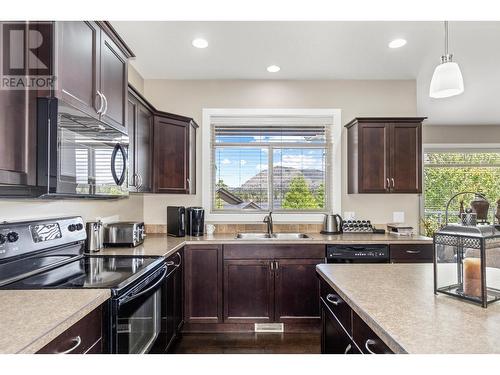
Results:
72 227
79 226
12 237
2 239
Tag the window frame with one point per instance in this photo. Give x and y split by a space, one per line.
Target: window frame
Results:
450 147
333 164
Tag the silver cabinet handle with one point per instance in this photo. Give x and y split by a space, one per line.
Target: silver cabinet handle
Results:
271 265
180 259
105 105
333 299
413 251
348 349
388 186
277 265
101 102
367 345
78 342
189 184
392 179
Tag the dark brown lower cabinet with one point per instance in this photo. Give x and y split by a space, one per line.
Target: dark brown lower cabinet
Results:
297 290
203 284
84 337
334 339
412 253
248 291
343 331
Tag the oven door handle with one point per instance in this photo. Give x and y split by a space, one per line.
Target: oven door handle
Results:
121 180
147 290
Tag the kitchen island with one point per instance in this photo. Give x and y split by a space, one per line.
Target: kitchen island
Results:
397 302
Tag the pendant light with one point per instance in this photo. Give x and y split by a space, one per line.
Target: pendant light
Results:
447 78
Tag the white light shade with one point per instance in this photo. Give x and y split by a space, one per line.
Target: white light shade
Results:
446 81
273 68
397 43
199 43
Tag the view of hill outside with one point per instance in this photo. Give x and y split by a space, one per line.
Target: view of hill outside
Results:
246 175
448 173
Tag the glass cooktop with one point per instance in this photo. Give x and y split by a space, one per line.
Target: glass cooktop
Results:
112 272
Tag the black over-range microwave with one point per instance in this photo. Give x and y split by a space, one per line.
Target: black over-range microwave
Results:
77 155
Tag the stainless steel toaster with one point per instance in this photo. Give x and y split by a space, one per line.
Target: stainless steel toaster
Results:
124 233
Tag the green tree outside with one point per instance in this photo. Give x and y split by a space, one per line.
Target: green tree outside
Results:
320 196
218 201
299 196
442 182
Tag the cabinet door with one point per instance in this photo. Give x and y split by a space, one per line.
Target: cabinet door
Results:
334 340
78 64
132 107
14 146
143 149
406 157
297 290
248 291
171 156
373 158
113 80
203 284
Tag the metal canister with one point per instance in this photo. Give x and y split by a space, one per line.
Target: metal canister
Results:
95 236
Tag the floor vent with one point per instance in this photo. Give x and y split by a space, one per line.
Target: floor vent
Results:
269 327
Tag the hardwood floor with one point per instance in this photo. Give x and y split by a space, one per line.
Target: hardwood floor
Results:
248 343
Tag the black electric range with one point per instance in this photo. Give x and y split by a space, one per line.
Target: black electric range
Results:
50 254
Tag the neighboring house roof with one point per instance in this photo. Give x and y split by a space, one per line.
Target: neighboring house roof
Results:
229 197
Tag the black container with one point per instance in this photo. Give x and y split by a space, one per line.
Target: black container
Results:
176 221
195 223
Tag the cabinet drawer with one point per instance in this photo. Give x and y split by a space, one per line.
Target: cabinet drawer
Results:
337 306
422 253
334 340
366 339
82 337
260 251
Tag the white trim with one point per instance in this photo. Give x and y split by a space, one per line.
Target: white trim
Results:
335 162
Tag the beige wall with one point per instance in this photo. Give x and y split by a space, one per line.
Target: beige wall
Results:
461 134
135 79
354 98
108 210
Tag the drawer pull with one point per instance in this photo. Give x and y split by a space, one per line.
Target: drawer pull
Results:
413 251
333 299
77 340
348 349
367 345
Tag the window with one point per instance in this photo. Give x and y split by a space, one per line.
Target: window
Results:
447 172
278 163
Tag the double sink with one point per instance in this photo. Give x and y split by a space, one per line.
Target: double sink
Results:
273 236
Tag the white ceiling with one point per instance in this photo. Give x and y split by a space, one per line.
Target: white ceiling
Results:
328 50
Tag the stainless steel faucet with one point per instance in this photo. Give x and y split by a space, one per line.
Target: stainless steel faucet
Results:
269 221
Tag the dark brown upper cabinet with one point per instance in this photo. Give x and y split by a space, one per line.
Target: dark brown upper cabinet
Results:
140 130
384 155
174 154
91 69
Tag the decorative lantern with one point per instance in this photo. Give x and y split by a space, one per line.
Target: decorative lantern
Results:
467 259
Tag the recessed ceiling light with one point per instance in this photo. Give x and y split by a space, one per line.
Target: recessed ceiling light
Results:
199 43
397 43
273 68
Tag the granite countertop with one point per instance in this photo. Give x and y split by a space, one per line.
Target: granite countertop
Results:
397 301
33 318
163 245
